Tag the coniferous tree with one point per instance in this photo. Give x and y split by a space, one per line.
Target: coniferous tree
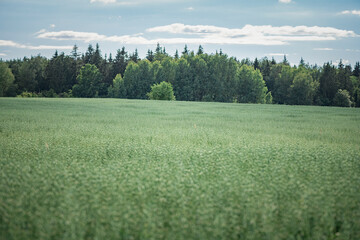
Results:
96 58
134 57
200 50
120 62
89 55
186 51
150 55
26 80
328 84
176 56
356 71
256 64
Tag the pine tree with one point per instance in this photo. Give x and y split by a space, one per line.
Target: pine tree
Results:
200 50
285 61
89 55
356 71
150 55
135 56
97 58
120 62
186 51
176 56
256 64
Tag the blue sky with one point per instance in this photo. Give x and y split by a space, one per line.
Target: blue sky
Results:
317 30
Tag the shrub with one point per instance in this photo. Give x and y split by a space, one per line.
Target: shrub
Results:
162 91
342 98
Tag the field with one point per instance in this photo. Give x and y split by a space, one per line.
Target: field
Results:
127 169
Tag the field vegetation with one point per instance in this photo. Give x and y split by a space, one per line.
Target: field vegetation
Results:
135 169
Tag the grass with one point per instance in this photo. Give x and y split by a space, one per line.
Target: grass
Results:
126 169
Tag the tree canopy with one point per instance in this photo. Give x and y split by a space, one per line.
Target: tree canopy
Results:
194 77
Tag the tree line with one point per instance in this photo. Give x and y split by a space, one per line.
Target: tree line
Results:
194 77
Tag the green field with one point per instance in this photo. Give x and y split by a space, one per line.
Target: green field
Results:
127 169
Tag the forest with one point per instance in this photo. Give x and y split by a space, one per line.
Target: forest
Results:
194 76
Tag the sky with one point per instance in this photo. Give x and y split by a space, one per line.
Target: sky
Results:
316 30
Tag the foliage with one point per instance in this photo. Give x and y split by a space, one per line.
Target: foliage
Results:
89 82
60 73
303 89
250 86
161 91
342 98
117 90
283 76
268 98
127 169
194 77
6 78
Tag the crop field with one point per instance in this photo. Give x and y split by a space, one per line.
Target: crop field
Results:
128 169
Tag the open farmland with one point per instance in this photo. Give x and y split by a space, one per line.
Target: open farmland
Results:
131 169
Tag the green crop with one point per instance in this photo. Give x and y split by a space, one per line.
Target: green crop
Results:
131 169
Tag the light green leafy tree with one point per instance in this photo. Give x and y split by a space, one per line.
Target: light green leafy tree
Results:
303 89
250 85
117 89
6 78
342 98
89 82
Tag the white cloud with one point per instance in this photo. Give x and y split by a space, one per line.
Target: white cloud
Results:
207 34
285 1
353 12
258 35
52 25
91 36
352 50
277 54
2 55
7 43
190 9
133 2
344 61
103 1
323 49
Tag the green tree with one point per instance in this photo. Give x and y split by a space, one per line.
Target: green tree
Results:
328 84
60 73
120 62
89 55
182 83
89 82
342 98
256 64
281 77
26 80
200 72
6 78
162 91
303 89
134 57
356 71
166 72
251 87
138 78
150 55
117 89
200 50
221 78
